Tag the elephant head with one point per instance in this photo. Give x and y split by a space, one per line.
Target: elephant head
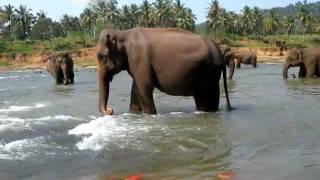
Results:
229 58
112 59
293 59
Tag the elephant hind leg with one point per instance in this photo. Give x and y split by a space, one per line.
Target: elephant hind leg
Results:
207 99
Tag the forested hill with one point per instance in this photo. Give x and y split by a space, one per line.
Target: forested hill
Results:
293 9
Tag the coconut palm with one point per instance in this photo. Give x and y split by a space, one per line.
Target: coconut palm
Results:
214 16
24 20
9 16
271 22
136 14
304 16
41 15
112 15
186 20
247 19
125 17
257 21
88 20
289 23
147 12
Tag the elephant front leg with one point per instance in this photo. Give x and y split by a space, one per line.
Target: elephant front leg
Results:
302 72
145 97
135 106
238 63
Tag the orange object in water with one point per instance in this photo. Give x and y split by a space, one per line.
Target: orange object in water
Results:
226 175
135 177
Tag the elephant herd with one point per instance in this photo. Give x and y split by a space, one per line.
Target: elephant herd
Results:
174 61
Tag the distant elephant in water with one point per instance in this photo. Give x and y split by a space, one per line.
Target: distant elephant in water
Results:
308 59
245 57
60 65
174 61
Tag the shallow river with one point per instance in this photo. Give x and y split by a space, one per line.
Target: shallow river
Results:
55 132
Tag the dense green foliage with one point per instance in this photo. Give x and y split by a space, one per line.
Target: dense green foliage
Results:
24 32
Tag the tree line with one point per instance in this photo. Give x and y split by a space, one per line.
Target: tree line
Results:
257 22
20 23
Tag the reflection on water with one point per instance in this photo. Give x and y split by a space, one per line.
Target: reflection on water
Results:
55 132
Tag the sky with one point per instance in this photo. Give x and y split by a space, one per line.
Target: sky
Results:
56 8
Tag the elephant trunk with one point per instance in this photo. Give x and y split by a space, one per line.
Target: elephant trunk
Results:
286 67
226 88
103 82
65 73
231 68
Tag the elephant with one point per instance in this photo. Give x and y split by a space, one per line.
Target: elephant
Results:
60 65
175 61
228 55
245 57
308 59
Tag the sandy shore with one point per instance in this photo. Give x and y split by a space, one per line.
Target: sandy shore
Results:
86 58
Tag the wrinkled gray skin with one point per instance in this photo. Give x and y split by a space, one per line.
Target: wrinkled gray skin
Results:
60 65
308 59
176 62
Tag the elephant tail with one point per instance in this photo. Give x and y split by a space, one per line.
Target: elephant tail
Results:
229 108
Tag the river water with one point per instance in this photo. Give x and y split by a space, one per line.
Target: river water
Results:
55 132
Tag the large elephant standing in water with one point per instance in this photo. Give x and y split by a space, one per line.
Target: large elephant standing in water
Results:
176 62
308 59
60 65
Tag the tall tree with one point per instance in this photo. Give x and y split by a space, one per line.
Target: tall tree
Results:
147 11
257 21
9 17
289 23
271 22
41 15
24 20
88 21
304 16
214 16
247 19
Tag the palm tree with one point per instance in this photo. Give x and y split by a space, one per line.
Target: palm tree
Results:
41 15
88 20
112 15
24 21
147 12
257 23
135 15
247 19
304 16
289 23
164 13
271 22
186 20
214 16
125 17
9 16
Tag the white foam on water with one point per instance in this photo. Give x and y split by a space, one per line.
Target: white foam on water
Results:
23 108
20 149
15 77
57 117
100 132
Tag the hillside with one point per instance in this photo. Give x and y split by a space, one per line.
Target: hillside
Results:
292 9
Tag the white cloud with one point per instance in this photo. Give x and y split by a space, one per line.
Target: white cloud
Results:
79 2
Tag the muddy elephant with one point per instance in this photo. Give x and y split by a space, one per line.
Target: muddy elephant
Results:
60 65
308 59
163 59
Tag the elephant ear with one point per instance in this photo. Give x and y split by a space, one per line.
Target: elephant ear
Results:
111 42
